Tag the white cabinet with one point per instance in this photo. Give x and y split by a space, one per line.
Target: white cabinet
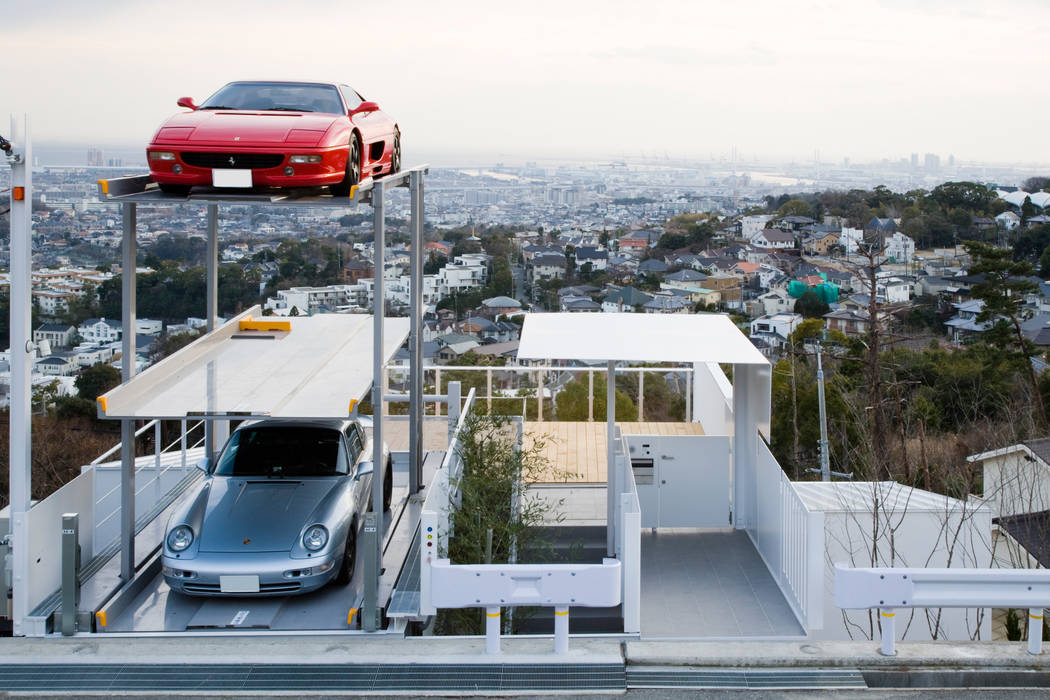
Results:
682 480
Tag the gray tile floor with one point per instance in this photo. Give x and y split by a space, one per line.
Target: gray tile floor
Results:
705 584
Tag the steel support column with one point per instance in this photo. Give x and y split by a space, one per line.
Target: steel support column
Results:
374 554
21 432
127 364
415 340
215 432
610 457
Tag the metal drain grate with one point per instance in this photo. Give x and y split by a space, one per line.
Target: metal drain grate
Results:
295 677
767 679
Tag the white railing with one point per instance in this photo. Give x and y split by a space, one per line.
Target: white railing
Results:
629 544
435 520
541 383
790 539
163 460
889 588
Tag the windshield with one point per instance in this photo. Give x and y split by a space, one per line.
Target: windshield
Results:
287 97
283 452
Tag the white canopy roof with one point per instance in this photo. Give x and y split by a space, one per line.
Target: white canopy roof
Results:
315 369
637 338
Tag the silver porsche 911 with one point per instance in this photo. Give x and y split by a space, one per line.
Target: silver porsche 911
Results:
278 513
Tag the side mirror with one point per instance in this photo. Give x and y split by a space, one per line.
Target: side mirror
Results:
365 107
187 102
202 465
364 469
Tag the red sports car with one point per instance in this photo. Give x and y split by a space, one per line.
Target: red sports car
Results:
275 134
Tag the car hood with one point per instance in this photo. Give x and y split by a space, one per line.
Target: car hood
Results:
259 515
221 128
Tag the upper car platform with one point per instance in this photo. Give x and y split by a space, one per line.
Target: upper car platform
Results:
255 366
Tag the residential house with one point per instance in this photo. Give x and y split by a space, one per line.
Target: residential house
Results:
626 299
355 270
56 365
684 279
575 304
496 306
964 323
59 335
852 322
547 267
99 330
775 329
794 223
1008 220
752 225
652 266
775 301
597 258
660 304
773 239
820 242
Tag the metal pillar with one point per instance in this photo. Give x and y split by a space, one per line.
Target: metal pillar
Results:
21 159
889 632
492 625
641 396
454 401
561 629
373 550
415 339
825 461
127 363
215 432
1035 631
370 537
70 572
610 457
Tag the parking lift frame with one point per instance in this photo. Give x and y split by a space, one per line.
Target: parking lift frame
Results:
130 192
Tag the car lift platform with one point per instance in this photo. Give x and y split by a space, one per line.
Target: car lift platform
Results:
261 366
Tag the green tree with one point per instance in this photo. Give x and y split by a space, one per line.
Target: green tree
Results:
810 305
96 380
1003 291
571 402
795 207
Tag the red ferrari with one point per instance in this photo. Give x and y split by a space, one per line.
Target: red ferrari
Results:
275 134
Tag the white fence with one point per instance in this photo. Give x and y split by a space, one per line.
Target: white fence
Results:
790 539
629 543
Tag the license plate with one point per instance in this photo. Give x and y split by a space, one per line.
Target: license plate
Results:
239 584
231 178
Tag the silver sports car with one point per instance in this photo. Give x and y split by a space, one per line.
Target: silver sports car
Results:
278 513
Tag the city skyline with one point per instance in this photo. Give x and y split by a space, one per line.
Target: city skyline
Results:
865 81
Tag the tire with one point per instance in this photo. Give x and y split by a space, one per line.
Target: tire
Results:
180 190
395 157
347 565
353 170
388 485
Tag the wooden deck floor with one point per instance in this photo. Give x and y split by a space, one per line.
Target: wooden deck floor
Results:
577 450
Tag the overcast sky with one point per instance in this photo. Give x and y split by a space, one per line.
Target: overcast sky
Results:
691 79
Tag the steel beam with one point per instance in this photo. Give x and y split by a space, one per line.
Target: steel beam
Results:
127 363
610 457
415 340
21 436
373 549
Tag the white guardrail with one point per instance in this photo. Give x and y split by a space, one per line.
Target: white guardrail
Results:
889 588
492 586
790 538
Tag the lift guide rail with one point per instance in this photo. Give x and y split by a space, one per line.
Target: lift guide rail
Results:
254 366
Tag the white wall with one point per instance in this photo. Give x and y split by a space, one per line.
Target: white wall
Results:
712 399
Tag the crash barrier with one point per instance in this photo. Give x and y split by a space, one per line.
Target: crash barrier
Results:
890 588
790 539
493 586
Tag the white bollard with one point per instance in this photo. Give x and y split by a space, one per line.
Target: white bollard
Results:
561 629
492 624
1035 631
887 617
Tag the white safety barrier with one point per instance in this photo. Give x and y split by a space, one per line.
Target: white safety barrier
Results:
492 586
891 588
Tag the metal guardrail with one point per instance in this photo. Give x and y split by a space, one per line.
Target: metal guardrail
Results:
887 589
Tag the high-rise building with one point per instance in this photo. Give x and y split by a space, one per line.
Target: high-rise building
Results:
95 157
932 162
914 161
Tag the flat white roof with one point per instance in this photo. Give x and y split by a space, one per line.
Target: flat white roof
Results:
860 497
636 338
313 370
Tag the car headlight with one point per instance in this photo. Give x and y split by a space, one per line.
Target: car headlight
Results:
161 155
315 537
180 538
304 159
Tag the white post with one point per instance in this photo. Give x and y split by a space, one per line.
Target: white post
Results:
887 616
437 391
561 629
689 396
156 460
182 444
492 624
641 396
21 160
610 460
454 393
590 395
488 388
1035 631
539 395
